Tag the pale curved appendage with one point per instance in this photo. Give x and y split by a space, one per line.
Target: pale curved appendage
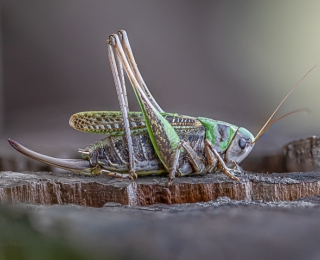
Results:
73 165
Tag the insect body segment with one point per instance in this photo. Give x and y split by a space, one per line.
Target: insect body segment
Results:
218 133
151 141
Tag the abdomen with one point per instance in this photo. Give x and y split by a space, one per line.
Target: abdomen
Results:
111 153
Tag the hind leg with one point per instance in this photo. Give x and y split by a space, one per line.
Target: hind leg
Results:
128 51
118 76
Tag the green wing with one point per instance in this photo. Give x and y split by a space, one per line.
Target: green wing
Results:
111 122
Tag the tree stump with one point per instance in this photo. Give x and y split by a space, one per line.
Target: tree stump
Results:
57 188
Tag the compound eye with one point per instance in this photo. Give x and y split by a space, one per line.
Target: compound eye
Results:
242 143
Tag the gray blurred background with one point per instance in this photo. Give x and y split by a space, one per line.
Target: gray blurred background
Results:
228 60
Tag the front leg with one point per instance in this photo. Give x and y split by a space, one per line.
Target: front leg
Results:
223 167
236 166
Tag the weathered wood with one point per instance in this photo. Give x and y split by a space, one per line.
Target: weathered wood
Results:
303 155
52 188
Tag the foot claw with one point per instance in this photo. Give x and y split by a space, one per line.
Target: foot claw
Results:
133 175
230 175
235 178
170 179
169 183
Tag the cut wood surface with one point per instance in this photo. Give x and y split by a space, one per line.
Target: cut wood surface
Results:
53 188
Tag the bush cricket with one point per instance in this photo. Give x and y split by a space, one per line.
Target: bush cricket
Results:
153 141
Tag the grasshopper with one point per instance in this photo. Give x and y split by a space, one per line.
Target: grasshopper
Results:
152 141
